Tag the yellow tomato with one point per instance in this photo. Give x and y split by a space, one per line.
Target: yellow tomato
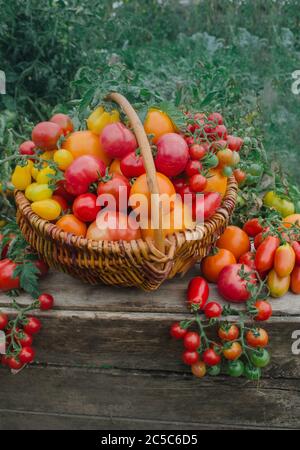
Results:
115 167
45 175
216 182
99 118
157 123
35 192
21 177
278 286
293 219
63 159
48 156
47 209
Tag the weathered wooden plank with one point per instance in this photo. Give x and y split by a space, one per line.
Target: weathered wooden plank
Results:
156 396
140 341
72 294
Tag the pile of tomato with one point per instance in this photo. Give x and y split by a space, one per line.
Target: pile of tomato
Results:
63 171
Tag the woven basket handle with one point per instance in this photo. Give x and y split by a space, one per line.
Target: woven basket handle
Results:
148 161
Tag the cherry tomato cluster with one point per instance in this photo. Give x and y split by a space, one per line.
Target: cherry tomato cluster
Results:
236 350
64 172
20 332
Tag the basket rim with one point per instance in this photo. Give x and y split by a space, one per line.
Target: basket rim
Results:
177 239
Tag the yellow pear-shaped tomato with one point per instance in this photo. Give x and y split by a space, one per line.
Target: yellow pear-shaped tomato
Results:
278 286
47 209
21 177
99 118
45 175
35 192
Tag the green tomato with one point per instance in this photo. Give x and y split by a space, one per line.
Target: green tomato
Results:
297 207
240 201
286 208
251 179
212 161
252 373
236 368
255 170
269 199
214 371
260 358
227 171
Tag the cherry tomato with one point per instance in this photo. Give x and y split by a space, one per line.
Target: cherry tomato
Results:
26 355
191 341
198 292
198 182
233 351
216 182
212 265
85 143
186 193
278 286
228 332
177 332
42 266
205 206
7 280
14 363
46 209
260 358
295 280
235 143
172 154
240 176
227 171
193 167
27 148
284 261
179 184
253 227
199 369
64 122
220 131
45 135
217 146
25 339
265 255
157 124
235 240
132 165
248 259
216 118
258 337
82 172
46 302
63 159
117 140
85 207
225 157
118 187
212 310
293 219
197 152
252 373
264 310
113 226
32 325
190 358
5 360
3 321
70 224
214 371
211 358
235 368
45 175
233 283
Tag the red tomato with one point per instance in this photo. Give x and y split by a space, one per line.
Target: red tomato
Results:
240 175
177 332
211 358
62 192
232 286
206 205
42 266
265 255
7 280
264 310
3 321
191 341
198 292
197 152
179 184
190 358
228 333
296 248
216 118
82 172
186 191
295 280
198 182
26 355
213 310
119 187
248 259
25 339
113 226
27 148
14 364
193 167
45 135
253 227
117 140
235 143
132 165
172 154
61 201
85 207
32 325
46 302
64 122
257 337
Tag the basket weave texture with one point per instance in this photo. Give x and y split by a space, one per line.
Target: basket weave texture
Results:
141 263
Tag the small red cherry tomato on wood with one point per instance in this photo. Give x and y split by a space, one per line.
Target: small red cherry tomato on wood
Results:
177 332
191 341
252 227
190 358
211 358
46 302
212 310
264 310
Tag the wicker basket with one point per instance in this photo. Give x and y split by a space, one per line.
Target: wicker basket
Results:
144 264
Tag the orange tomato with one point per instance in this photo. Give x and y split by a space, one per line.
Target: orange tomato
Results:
85 143
199 369
212 265
158 123
257 338
295 280
291 220
233 352
216 182
70 224
285 259
235 240
115 167
165 186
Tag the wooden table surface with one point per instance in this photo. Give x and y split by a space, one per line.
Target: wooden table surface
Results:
105 361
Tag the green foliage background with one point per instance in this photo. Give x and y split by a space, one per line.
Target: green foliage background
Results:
233 56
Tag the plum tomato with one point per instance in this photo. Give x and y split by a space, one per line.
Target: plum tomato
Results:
198 292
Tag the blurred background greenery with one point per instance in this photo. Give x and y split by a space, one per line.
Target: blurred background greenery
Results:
233 56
